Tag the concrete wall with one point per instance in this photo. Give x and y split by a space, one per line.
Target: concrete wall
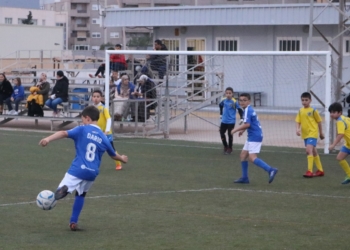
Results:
29 37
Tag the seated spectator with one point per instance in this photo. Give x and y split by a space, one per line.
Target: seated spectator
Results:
158 62
6 90
116 63
44 87
59 93
35 102
145 90
125 90
16 97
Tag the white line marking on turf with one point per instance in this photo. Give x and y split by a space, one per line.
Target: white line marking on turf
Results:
197 190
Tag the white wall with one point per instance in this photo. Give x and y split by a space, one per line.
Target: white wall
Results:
29 37
39 15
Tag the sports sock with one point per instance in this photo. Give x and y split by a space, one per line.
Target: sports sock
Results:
344 164
318 163
77 207
118 162
262 164
244 169
310 162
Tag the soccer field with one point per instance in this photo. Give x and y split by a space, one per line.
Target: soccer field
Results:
172 195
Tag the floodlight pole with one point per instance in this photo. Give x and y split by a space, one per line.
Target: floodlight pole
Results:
166 104
309 42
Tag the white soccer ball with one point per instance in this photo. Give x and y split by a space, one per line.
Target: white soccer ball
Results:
46 200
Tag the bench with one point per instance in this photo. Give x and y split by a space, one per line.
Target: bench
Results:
255 96
64 120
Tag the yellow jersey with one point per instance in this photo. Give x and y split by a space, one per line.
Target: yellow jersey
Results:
309 119
343 128
104 116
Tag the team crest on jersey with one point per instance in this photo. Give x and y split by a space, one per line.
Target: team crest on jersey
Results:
309 113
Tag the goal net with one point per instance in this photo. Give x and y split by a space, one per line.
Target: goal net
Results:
190 84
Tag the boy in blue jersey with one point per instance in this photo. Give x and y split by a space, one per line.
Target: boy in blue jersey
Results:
228 107
253 144
90 144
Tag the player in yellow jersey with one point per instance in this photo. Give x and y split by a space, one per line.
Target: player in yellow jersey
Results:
105 121
309 126
343 132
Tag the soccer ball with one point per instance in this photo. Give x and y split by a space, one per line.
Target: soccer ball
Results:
46 200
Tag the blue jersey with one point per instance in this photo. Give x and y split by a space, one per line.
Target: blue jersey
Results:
230 107
90 144
254 131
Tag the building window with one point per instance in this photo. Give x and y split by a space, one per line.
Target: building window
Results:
8 20
289 44
80 47
96 35
95 47
94 7
347 46
227 44
95 21
114 34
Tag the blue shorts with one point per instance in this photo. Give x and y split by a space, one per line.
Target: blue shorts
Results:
310 141
345 150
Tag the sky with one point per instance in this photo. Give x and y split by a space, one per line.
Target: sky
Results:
27 4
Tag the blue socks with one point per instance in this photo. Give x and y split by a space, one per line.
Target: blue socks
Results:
244 169
262 164
77 207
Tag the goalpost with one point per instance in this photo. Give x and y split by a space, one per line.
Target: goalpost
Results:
275 80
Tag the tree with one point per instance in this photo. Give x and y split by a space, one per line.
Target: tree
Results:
106 46
29 19
140 41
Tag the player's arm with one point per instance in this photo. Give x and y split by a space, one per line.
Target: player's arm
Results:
297 128
56 136
122 158
336 141
320 130
108 119
240 128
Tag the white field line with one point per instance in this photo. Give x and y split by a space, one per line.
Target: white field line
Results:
197 190
170 145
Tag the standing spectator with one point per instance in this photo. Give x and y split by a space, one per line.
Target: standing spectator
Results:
158 62
59 93
16 97
6 90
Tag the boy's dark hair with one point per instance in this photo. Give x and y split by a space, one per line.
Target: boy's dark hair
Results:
159 42
92 112
97 91
110 48
245 95
306 95
335 107
229 88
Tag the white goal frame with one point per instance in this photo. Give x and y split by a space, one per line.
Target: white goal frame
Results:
328 79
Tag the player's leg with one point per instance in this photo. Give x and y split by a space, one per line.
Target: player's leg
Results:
230 137
80 193
66 186
310 144
244 164
317 161
118 164
223 128
344 152
254 149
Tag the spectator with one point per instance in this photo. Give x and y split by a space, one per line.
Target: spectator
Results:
35 102
59 93
117 61
125 90
158 62
44 87
6 90
16 97
145 90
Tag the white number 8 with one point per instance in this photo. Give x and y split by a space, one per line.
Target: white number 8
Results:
90 152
